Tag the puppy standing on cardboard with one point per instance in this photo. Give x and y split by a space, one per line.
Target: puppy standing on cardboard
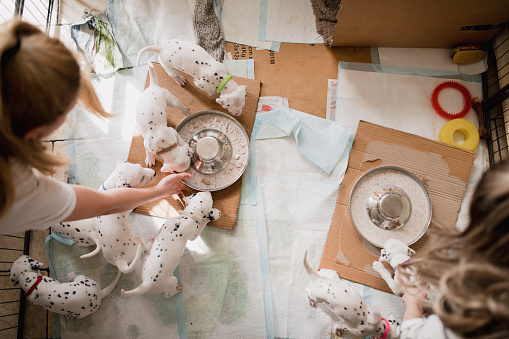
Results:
209 75
158 137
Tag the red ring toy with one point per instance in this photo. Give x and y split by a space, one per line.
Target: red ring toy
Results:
463 90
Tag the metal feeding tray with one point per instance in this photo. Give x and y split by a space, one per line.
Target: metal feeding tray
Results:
390 202
220 147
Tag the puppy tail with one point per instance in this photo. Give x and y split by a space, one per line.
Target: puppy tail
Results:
122 264
143 288
107 290
152 48
154 81
312 273
95 238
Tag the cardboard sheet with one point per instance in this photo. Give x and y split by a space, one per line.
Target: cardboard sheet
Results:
299 72
418 23
226 200
444 170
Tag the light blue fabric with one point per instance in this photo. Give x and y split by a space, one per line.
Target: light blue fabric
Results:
319 140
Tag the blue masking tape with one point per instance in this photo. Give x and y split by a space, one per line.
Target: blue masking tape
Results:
181 313
264 264
391 69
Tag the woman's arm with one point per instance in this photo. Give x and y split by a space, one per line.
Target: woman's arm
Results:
91 203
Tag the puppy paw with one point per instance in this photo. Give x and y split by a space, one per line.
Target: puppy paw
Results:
179 79
71 276
378 266
150 161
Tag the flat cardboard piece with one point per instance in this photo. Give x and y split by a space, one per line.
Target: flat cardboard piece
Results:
226 200
418 23
443 169
299 72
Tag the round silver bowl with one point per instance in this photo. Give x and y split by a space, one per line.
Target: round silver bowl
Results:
220 147
390 202
212 151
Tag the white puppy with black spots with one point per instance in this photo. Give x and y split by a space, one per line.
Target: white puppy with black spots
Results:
168 247
76 299
395 252
158 137
213 77
83 232
347 309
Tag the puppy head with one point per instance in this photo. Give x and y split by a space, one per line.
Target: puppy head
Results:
23 264
234 101
200 204
393 247
132 175
177 159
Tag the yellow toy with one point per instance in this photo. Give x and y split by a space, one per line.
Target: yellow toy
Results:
464 126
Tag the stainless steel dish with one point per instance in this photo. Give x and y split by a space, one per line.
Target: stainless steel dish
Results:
390 202
216 146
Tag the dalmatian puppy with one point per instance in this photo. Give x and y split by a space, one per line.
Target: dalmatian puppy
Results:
211 76
85 232
76 299
395 253
168 247
158 137
346 307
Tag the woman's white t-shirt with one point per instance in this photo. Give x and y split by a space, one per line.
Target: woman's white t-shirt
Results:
425 328
40 201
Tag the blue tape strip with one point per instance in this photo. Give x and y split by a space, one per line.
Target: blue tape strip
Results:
264 264
252 184
375 57
391 69
262 20
181 313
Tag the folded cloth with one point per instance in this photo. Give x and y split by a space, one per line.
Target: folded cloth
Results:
94 37
321 141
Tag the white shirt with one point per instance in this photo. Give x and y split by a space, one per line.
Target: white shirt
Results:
425 328
40 201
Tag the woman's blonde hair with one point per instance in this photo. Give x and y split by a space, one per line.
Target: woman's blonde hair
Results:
468 271
39 81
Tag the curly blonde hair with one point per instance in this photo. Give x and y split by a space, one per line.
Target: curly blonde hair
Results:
467 272
40 79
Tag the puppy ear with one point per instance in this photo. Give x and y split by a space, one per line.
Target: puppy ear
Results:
214 214
35 265
221 102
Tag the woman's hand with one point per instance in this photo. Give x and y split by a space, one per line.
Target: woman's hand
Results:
171 184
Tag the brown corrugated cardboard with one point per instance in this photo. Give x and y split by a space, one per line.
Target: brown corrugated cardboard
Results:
299 71
226 200
444 170
418 23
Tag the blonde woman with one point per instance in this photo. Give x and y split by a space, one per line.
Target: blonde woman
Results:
466 275
40 82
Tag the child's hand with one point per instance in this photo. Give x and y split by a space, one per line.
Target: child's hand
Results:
171 184
412 298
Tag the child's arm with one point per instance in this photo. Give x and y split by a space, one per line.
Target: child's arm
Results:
91 203
413 306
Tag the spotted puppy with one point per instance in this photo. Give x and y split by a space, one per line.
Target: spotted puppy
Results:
83 232
395 253
209 75
349 312
76 299
168 247
159 138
